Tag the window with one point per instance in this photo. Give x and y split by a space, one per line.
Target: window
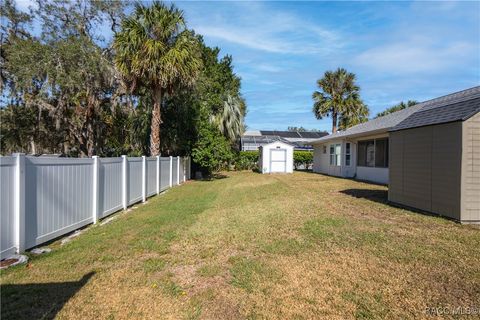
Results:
324 149
335 154
338 151
347 154
381 153
373 153
332 155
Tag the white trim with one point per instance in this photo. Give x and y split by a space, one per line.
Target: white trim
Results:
158 174
171 171
124 182
20 202
178 170
144 179
284 161
95 189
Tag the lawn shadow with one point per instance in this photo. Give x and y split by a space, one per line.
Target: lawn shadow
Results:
214 176
380 196
38 300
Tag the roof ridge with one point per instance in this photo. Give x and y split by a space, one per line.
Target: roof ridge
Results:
454 97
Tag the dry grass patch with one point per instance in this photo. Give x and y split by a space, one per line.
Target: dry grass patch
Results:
250 246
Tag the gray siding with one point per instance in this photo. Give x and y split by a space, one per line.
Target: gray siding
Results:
425 168
447 169
395 186
471 169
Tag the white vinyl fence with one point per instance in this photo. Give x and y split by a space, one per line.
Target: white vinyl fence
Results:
42 198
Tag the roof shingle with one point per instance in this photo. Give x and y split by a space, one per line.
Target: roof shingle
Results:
460 105
443 112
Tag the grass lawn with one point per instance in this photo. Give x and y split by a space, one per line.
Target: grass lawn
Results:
254 246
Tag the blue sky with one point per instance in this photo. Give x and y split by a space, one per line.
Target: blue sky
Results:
398 50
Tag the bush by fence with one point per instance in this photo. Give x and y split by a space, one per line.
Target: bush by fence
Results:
42 198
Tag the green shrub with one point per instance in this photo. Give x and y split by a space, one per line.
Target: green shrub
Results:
212 152
246 160
304 158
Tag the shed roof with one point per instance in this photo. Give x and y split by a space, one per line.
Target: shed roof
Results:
279 141
456 107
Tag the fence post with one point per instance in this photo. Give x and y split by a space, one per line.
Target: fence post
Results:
178 170
95 189
158 174
171 171
20 202
124 182
144 179
184 159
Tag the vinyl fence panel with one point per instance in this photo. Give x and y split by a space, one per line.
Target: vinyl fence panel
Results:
110 186
135 180
151 176
174 170
42 198
164 173
58 197
182 169
7 206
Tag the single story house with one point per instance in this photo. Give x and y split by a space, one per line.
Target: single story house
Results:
359 152
428 154
276 157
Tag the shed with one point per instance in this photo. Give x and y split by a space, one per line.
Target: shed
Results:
276 157
435 158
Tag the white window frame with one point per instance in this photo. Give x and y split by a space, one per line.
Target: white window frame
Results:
348 152
335 158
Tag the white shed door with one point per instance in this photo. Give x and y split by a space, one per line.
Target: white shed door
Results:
278 160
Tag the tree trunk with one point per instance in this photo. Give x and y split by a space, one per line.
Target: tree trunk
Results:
89 126
33 149
156 121
334 122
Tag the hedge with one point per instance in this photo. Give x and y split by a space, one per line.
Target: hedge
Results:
304 158
248 160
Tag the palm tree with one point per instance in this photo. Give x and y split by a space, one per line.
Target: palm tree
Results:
230 119
154 49
353 117
402 105
339 97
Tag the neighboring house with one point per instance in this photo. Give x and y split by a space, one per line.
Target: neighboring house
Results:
435 158
276 157
253 139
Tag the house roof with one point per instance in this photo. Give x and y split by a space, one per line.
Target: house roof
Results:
377 125
294 135
416 115
263 140
456 107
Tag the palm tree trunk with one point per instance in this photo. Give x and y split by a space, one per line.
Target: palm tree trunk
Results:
156 121
334 122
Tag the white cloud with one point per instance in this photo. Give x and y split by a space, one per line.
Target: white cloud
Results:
415 56
256 26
